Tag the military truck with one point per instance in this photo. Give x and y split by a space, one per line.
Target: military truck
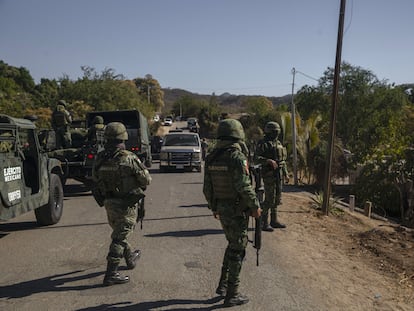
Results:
137 127
30 179
77 161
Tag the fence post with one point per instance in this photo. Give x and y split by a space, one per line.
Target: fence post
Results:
351 202
367 209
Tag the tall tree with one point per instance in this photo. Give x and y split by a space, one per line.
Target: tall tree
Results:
149 88
104 91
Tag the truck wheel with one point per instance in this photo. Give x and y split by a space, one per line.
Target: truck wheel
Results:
50 213
148 163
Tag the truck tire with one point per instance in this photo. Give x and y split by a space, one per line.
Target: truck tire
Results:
50 213
148 163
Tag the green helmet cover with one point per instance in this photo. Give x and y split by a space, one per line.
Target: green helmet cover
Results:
272 127
230 128
116 130
98 120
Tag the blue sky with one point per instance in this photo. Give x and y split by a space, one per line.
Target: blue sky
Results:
235 46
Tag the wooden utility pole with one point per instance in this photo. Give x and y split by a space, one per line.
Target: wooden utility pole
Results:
331 142
293 111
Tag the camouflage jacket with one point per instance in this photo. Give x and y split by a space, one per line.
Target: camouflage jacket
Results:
60 117
228 159
119 174
274 150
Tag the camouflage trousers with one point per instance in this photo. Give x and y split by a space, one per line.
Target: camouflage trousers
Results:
235 229
122 220
273 194
63 138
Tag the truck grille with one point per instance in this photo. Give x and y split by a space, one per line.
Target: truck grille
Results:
181 157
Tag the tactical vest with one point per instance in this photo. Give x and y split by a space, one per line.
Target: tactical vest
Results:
221 177
274 150
59 116
116 177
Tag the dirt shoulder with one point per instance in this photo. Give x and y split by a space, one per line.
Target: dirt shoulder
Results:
347 258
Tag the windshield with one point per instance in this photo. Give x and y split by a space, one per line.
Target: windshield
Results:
181 140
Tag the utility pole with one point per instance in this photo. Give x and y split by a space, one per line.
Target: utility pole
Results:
148 93
293 111
331 142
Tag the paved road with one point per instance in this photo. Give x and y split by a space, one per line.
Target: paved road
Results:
61 267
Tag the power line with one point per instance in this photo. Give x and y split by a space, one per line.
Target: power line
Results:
306 75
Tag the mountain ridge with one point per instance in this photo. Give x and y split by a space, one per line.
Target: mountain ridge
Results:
171 95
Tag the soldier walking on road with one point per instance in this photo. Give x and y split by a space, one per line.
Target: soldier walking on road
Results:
232 199
61 120
120 180
271 154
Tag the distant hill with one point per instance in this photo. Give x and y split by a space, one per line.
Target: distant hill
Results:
225 99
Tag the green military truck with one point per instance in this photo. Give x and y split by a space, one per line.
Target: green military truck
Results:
30 179
77 161
137 127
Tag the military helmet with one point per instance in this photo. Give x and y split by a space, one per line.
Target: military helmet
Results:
230 128
62 102
272 127
97 120
116 130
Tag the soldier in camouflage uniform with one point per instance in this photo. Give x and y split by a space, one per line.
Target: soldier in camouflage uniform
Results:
95 131
120 180
271 154
61 120
231 197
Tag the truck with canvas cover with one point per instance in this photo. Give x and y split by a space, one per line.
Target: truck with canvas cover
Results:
138 131
30 180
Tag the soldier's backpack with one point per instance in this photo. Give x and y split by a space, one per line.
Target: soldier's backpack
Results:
117 178
59 116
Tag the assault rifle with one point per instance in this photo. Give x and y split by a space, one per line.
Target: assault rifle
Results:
137 197
256 177
141 211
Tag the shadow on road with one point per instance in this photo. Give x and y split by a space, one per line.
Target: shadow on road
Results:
18 226
6 229
195 205
76 190
54 283
302 188
186 233
178 217
172 304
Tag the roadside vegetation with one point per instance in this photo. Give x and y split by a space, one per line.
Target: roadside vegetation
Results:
374 125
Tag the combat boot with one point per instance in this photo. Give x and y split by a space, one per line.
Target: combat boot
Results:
131 258
222 288
234 298
112 275
274 223
265 224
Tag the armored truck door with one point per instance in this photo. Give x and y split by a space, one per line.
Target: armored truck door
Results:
12 190
11 180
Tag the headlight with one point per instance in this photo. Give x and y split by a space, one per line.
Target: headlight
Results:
196 156
164 156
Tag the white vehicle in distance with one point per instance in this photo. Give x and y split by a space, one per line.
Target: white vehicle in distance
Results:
181 151
168 121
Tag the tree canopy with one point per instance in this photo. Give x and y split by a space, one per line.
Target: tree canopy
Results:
94 91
